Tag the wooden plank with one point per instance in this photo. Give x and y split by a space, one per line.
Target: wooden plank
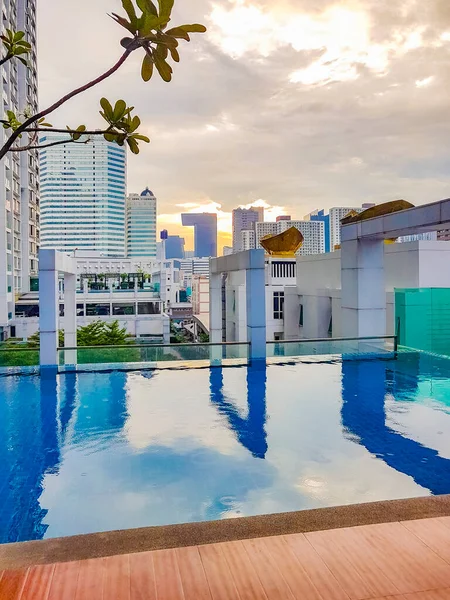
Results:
167 575
218 573
291 570
245 577
116 577
90 579
11 583
193 578
321 576
429 595
64 581
348 577
38 582
271 579
432 532
408 562
142 573
354 546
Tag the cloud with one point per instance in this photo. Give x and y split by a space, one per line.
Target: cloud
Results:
276 102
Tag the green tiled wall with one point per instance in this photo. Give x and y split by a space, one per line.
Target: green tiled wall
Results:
422 318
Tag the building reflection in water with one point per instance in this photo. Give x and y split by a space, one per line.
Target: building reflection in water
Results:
250 431
364 388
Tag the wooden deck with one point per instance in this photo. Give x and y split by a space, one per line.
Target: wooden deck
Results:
407 560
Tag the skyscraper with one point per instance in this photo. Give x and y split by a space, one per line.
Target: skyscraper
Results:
245 219
19 172
205 233
174 247
336 215
319 215
313 233
83 191
141 224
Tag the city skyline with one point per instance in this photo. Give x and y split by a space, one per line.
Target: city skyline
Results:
300 105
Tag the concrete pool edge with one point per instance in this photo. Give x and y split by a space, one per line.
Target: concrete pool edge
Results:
129 541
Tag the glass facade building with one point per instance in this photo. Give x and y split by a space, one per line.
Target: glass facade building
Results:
19 172
83 189
141 224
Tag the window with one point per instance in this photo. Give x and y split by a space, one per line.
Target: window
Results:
278 305
149 308
94 310
124 308
300 320
80 310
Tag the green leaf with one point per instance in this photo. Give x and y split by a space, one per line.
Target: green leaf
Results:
164 69
192 28
119 110
175 54
165 9
144 138
18 36
23 61
134 146
110 137
147 6
129 8
147 23
147 68
123 22
135 122
10 114
24 45
178 32
108 109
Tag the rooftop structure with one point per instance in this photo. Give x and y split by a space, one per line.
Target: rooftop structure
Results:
244 219
312 231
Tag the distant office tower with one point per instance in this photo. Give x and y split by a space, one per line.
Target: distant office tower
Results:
283 218
83 196
227 250
429 236
19 175
244 219
174 247
313 233
141 224
248 239
319 215
205 233
336 215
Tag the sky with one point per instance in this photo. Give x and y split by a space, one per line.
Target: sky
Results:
294 104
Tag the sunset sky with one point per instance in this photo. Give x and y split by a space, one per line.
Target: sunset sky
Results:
297 104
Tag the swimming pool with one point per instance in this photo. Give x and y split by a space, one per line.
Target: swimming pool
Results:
86 452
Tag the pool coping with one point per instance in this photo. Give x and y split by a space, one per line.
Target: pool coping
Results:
130 541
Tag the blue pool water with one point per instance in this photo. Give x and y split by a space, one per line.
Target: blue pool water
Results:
98 451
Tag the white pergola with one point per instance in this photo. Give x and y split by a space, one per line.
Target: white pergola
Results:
51 264
362 263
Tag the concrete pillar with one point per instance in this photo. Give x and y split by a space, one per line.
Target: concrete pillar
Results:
256 312
363 288
70 318
48 315
215 316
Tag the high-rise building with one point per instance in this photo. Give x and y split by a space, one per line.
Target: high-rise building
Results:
19 172
141 224
319 215
283 218
205 233
174 247
248 240
337 213
313 234
83 188
245 219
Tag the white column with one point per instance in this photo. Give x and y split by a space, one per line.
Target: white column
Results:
256 312
48 315
70 318
215 316
363 288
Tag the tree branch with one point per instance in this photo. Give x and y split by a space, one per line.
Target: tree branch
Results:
5 59
43 113
69 131
30 147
